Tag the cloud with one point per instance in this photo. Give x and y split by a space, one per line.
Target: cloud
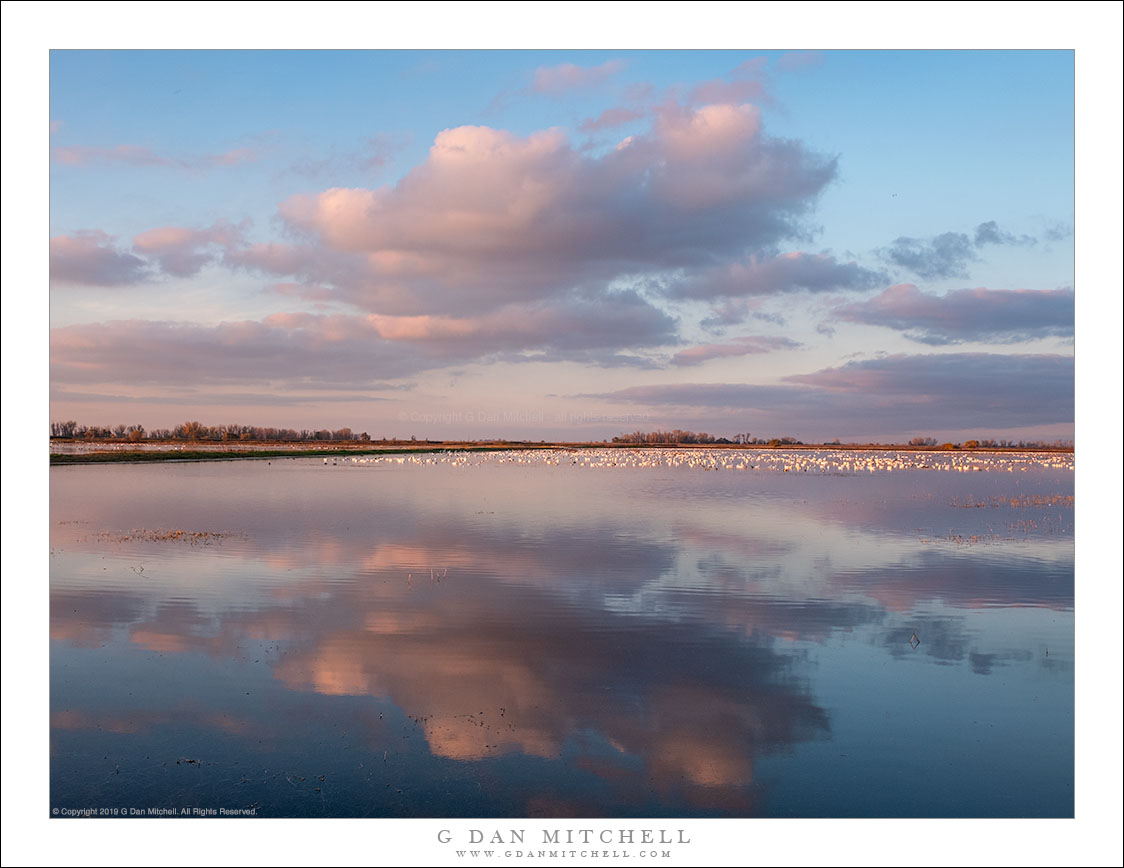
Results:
377 152
496 246
133 155
946 255
611 117
754 67
886 395
380 150
990 233
291 348
792 60
144 157
743 346
721 91
557 80
791 272
1000 316
1059 232
182 252
733 311
180 396
91 259
949 254
1024 389
351 351
748 81
728 395
728 311
578 323
491 217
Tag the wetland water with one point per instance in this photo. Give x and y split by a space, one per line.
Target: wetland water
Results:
604 633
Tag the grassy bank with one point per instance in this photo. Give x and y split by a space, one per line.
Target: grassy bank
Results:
143 457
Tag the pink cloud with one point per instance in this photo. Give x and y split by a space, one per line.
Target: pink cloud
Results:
556 80
975 379
709 132
144 157
233 157
967 314
163 238
743 346
556 326
348 350
490 217
274 258
183 252
130 154
899 393
90 258
720 91
283 348
791 60
790 272
611 117
754 67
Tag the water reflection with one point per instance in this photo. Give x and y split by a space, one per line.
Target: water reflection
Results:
527 640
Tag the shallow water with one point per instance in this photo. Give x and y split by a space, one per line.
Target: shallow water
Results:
564 634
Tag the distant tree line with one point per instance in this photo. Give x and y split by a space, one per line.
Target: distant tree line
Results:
196 431
676 436
679 436
984 443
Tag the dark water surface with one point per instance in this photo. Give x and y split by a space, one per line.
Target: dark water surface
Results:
523 635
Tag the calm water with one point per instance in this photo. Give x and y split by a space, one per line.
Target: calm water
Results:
525 635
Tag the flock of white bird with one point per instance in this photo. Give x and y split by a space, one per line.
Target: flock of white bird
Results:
772 460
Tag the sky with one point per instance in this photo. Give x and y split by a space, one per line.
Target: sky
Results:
565 244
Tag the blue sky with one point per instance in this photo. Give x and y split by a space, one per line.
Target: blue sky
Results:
863 244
